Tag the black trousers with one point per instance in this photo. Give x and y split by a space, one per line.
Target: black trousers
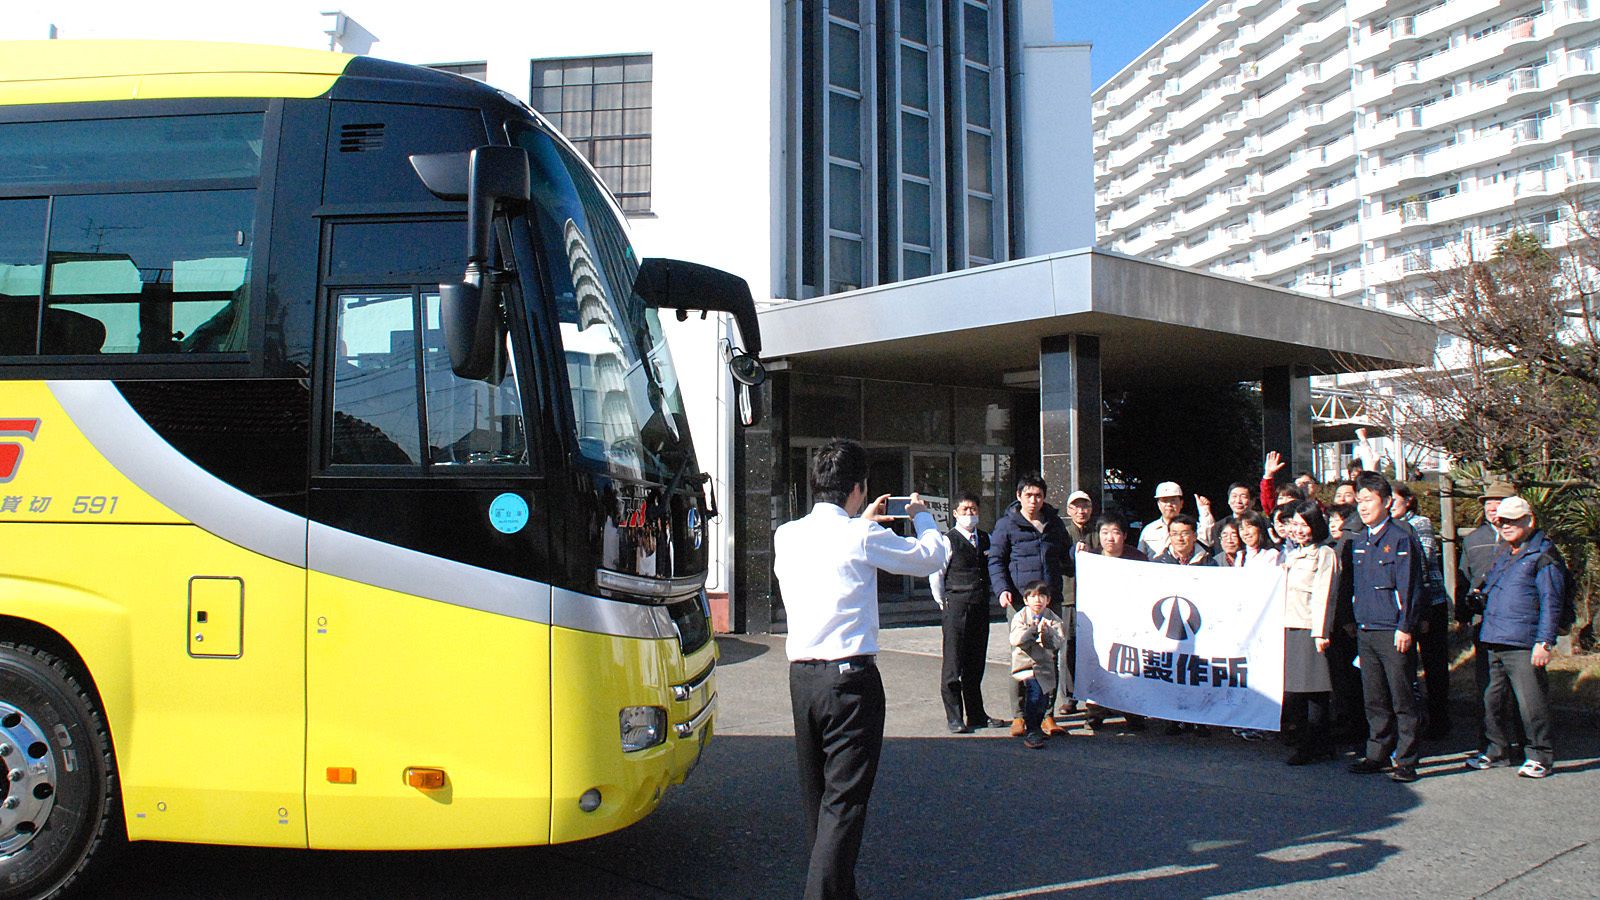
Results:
1511 671
1308 714
1386 677
1349 712
966 646
1507 712
1433 651
838 737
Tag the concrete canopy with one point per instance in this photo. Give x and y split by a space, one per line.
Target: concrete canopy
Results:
1157 323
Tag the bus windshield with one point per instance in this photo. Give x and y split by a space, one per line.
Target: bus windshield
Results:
625 396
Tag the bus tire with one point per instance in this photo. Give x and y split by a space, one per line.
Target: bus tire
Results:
58 794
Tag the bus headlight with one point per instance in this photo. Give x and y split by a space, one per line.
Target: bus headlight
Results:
642 727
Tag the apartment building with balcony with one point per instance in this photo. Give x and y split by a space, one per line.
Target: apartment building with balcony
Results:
1335 146
1342 148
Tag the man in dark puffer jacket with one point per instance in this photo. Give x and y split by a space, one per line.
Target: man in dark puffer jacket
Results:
1030 543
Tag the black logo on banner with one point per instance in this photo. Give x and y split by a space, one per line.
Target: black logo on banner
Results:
1177 617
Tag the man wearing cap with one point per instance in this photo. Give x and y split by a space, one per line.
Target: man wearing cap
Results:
1169 499
1080 535
1522 610
1478 551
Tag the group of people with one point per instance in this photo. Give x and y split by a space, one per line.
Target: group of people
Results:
1364 600
1365 607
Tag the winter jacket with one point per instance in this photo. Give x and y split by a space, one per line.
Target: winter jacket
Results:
1020 553
1198 558
1524 598
1034 648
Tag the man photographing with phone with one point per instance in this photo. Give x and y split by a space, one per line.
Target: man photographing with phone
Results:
827 566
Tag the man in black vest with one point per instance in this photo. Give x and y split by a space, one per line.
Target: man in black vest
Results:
962 591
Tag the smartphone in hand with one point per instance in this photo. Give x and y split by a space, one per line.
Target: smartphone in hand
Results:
895 507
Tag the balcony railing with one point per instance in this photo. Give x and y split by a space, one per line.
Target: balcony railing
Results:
1521 28
1402 27
1522 80
1586 169
1414 211
1584 115
1525 131
1533 181
1407 72
1321 240
1580 62
1408 118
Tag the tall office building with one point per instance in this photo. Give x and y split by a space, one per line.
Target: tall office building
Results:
1336 147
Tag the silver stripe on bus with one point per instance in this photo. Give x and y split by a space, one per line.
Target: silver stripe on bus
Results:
580 612
144 457
129 444
357 558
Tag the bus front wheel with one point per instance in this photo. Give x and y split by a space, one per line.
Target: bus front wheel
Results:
57 795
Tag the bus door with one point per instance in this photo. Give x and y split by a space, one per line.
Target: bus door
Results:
427 672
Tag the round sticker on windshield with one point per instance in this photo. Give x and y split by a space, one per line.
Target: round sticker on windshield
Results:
508 513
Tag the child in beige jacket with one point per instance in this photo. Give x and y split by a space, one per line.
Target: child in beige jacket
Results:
1036 636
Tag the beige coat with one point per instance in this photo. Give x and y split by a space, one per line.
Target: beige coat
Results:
1034 646
1308 597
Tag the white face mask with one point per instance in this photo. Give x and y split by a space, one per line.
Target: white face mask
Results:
967 523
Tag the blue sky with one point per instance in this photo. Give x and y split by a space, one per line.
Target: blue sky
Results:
1119 29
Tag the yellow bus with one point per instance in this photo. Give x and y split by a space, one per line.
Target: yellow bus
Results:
347 498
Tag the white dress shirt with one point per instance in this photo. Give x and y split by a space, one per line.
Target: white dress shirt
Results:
936 580
827 567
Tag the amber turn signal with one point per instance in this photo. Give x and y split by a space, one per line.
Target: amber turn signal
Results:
341 775
425 779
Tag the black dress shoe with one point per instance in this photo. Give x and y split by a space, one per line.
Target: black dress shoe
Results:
1304 757
1364 766
958 728
1403 774
992 722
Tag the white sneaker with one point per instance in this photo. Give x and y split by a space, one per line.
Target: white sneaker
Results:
1533 769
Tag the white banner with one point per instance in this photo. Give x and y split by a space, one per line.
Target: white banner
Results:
1197 644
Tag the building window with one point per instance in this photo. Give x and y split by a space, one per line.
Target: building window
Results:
847 184
477 71
901 146
974 126
918 141
602 104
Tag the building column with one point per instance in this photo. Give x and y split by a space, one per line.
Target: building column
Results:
1071 445
1286 416
761 455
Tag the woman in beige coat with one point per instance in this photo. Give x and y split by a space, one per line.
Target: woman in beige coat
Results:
1311 569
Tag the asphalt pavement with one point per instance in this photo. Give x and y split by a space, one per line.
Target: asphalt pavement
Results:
1105 814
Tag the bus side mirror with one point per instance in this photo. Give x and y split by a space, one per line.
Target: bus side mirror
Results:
675 284
748 374
685 286
473 329
495 177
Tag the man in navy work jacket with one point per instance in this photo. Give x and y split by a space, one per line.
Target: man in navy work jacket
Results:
1525 587
1030 543
1390 597
827 565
